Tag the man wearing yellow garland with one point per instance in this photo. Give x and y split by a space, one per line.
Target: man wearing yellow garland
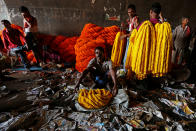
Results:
150 47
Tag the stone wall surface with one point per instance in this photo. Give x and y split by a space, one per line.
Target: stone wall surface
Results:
68 17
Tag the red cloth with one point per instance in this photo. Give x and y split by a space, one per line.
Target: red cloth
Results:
188 31
11 39
154 21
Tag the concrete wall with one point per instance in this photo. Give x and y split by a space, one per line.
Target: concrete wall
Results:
3 12
67 17
172 10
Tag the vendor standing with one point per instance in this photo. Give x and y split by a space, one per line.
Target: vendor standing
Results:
30 29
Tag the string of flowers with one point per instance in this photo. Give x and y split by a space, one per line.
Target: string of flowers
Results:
91 37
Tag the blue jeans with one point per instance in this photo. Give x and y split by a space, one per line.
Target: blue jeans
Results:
101 80
20 51
125 56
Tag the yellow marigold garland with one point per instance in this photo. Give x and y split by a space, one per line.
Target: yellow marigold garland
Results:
117 49
150 50
94 99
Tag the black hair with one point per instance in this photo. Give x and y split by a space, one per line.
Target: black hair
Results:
132 7
156 7
5 22
99 48
185 17
23 9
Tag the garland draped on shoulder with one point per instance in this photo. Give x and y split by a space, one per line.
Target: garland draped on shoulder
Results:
149 50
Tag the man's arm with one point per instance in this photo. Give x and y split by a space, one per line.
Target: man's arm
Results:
136 22
25 25
161 18
5 41
113 75
21 34
84 73
189 37
174 37
125 35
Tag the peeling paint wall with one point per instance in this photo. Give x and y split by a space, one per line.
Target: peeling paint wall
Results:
68 17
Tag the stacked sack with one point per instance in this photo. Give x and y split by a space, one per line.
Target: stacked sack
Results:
91 37
94 99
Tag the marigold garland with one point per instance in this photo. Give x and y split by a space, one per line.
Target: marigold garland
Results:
118 49
91 37
79 49
61 44
149 50
94 99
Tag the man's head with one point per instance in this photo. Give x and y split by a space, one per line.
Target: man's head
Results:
24 11
131 10
155 10
99 52
6 24
185 20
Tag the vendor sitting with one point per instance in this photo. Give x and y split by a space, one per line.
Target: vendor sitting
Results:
100 71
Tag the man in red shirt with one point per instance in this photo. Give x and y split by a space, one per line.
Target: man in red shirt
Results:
12 43
30 29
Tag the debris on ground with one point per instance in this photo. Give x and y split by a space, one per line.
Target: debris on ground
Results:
48 101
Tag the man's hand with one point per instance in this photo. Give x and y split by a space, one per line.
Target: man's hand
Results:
114 91
123 36
122 25
161 17
26 46
136 23
76 88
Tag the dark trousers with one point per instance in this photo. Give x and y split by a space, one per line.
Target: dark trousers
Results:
32 44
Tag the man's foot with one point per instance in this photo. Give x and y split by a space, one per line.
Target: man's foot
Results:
41 64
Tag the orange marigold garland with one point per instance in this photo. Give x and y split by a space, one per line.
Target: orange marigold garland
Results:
91 37
61 44
80 49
